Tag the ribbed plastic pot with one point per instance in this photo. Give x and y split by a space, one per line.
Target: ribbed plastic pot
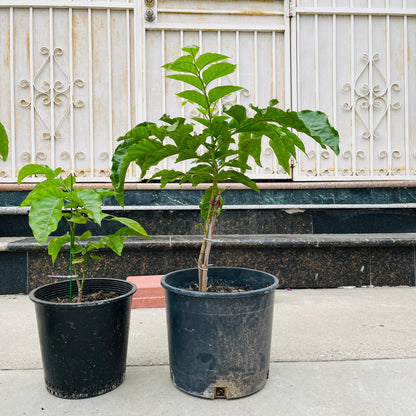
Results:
219 343
83 345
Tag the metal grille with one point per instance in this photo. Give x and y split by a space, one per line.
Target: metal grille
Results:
355 60
77 74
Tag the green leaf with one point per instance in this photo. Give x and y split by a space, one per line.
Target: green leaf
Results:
219 92
188 79
50 187
4 143
205 203
216 71
182 64
192 50
35 169
318 125
195 97
120 162
249 145
132 224
115 242
86 235
55 245
239 178
282 154
237 112
167 175
208 58
44 217
91 200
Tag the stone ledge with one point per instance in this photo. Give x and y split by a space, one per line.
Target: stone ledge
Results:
250 240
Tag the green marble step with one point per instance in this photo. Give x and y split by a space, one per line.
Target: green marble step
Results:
298 260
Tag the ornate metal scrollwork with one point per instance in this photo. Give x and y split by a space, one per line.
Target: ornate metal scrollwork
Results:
44 94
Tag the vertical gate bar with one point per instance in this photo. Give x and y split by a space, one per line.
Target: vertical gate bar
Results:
219 81
139 57
182 84
110 83
162 70
200 40
71 91
334 79
12 95
388 76
370 85
406 92
52 85
288 62
274 59
352 95
90 60
128 63
237 61
256 70
317 95
32 89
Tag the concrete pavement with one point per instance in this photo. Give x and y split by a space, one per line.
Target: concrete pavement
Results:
348 351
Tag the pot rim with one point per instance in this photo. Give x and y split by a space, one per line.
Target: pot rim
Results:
33 294
190 293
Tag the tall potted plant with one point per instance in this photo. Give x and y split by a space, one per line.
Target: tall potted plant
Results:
220 334
83 324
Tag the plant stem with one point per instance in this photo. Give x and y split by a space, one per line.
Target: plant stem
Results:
203 261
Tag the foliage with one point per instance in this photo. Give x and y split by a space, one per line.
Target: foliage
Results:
220 149
54 199
4 143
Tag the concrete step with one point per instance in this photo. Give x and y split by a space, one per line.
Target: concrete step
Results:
298 260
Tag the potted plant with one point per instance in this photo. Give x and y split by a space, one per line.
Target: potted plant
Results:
83 327
219 343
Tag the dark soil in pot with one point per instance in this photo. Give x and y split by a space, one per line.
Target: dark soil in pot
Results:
219 343
83 345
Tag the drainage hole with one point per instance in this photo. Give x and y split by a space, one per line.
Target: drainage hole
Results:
220 392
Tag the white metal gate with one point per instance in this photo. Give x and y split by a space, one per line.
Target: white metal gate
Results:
356 60
76 74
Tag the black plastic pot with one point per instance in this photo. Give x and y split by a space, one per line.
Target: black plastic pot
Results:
83 345
219 343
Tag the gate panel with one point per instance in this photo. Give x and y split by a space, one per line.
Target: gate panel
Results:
353 62
251 33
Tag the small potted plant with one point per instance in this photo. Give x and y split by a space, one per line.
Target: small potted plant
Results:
219 318
83 327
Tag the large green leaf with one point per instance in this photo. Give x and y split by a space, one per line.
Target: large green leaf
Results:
44 217
194 97
35 169
50 187
120 163
219 92
55 245
182 64
92 202
318 125
208 58
115 242
132 224
188 79
239 178
216 71
167 175
4 143
282 154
